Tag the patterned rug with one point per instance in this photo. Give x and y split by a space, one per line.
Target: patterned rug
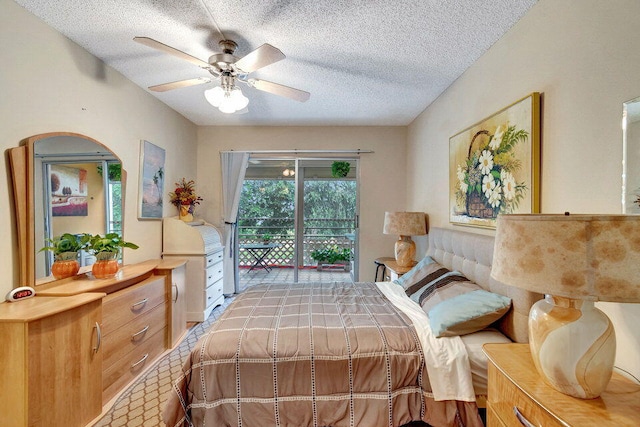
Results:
142 403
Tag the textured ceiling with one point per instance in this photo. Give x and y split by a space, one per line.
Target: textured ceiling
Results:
364 62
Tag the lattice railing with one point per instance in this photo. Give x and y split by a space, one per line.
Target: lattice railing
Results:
319 233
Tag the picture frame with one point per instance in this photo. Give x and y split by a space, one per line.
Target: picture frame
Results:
494 166
68 191
151 182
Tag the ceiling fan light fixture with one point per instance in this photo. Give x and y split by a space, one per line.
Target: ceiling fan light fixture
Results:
237 97
214 96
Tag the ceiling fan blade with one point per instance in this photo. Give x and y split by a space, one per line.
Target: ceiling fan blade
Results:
180 83
261 57
281 90
171 51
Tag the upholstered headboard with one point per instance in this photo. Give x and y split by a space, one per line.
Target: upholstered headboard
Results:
472 255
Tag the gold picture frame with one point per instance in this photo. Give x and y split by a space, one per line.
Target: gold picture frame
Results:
494 166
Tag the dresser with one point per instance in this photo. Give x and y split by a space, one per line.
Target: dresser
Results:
515 385
200 244
174 271
135 323
51 356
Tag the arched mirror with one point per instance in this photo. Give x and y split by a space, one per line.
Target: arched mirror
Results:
63 183
631 156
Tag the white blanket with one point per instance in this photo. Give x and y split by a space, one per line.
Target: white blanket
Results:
446 358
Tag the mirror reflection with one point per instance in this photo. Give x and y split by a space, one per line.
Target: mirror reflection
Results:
631 157
73 194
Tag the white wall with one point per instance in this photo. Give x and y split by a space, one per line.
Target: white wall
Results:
584 57
50 84
382 177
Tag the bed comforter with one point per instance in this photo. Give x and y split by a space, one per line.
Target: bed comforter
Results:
320 354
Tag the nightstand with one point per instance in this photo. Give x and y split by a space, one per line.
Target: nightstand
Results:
395 270
515 383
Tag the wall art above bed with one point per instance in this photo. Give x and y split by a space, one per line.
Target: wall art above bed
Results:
494 165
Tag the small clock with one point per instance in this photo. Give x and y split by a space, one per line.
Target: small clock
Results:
20 293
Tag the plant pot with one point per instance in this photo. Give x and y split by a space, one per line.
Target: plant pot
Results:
106 265
65 265
184 213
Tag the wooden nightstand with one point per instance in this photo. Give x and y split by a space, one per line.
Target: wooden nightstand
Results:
395 270
515 383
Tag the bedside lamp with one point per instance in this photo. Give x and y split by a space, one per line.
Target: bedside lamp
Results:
405 225
575 260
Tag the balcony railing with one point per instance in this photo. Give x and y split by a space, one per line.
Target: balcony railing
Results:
317 233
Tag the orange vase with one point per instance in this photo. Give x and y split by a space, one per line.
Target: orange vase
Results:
106 265
65 268
184 213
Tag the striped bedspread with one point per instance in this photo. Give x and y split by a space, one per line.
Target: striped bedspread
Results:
320 354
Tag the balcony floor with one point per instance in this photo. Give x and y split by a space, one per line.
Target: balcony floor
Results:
285 274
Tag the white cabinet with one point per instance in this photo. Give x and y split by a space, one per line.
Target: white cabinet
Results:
200 244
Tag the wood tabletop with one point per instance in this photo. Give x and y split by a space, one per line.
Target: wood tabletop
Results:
619 404
393 265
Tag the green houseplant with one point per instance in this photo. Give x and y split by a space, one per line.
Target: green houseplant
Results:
340 169
65 250
331 255
106 250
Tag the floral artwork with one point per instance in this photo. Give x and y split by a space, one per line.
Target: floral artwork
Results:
494 166
151 185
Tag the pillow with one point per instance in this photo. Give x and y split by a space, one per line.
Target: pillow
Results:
424 272
448 285
467 313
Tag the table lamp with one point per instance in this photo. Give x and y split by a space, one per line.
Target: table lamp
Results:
575 260
405 225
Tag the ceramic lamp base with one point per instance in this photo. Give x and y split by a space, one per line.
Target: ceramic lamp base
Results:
573 345
405 251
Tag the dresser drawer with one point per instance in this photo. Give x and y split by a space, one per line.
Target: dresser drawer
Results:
213 258
213 293
504 396
131 335
123 306
213 274
125 369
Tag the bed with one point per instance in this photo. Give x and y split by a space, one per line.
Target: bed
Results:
347 354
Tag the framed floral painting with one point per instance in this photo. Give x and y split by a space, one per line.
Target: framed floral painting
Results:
151 182
494 165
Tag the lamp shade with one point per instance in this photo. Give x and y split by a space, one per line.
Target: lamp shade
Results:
405 223
587 257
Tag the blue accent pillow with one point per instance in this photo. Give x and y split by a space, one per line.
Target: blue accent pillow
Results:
467 313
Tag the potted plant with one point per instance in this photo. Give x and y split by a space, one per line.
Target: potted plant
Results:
184 197
65 250
106 250
331 256
340 169
266 238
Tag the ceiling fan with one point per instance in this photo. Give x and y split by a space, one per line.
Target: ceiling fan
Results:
229 69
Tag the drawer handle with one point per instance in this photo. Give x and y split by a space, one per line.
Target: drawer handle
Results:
177 292
141 302
525 422
140 361
209 278
98 338
140 332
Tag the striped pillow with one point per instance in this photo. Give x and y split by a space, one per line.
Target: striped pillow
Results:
424 272
445 287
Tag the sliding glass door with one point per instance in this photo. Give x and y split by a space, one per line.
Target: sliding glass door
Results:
298 222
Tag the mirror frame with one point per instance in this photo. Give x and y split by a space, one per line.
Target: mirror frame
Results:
22 172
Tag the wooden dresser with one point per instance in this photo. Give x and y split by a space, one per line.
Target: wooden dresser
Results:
51 361
84 340
515 383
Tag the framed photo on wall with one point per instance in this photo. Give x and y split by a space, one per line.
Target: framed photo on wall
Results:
494 166
151 182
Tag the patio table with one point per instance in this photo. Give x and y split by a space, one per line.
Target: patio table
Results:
259 251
